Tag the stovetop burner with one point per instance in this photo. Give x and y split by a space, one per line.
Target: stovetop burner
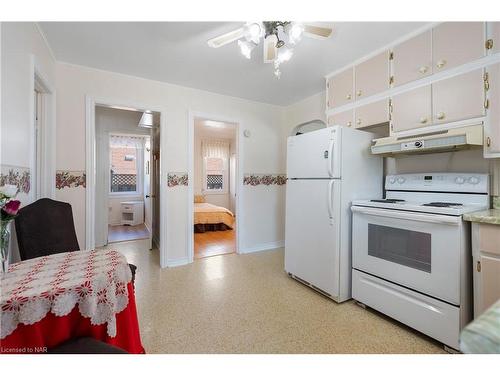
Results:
442 204
387 200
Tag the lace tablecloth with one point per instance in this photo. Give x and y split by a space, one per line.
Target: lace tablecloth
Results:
94 281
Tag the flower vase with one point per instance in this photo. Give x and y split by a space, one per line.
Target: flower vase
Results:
4 246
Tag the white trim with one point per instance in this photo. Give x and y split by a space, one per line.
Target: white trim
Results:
90 168
390 45
177 262
263 247
239 179
44 37
46 181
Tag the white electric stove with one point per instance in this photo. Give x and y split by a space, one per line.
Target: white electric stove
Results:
411 253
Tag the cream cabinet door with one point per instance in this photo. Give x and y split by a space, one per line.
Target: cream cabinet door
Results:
412 59
342 118
372 114
372 76
495 36
412 109
458 98
489 279
492 124
340 89
456 43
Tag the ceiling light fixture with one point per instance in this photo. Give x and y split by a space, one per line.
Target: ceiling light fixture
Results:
278 39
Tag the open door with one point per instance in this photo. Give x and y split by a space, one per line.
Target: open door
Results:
147 190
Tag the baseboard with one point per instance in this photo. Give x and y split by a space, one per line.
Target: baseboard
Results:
263 247
177 262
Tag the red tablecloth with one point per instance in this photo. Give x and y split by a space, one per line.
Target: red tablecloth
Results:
106 272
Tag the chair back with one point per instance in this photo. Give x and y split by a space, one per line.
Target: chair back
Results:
45 227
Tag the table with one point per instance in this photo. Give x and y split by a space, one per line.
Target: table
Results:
48 300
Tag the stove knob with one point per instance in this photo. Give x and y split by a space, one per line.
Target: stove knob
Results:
392 180
473 180
459 180
401 180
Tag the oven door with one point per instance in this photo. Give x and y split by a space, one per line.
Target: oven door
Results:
416 250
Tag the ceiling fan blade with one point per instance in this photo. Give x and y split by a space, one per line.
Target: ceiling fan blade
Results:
224 39
317 31
270 50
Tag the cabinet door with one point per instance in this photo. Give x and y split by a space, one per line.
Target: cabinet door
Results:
372 114
495 36
412 59
492 124
456 43
340 89
342 118
458 98
372 76
489 278
412 109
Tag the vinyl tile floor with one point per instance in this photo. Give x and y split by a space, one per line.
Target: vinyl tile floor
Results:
248 304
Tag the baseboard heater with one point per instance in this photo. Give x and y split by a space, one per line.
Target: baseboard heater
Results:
446 140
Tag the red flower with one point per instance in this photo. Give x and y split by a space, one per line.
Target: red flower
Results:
12 207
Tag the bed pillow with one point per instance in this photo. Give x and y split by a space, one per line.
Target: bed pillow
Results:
199 198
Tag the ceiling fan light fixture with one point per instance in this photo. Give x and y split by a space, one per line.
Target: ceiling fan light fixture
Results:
284 54
253 32
246 48
295 32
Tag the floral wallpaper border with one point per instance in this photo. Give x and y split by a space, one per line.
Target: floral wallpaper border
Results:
177 179
70 179
254 179
14 175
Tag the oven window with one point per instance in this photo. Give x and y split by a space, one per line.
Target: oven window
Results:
402 246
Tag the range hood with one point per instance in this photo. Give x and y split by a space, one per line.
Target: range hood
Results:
440 141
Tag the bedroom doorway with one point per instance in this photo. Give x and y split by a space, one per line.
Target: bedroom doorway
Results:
214 198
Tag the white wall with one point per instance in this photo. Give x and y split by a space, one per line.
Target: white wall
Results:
263 151
308 109
23 49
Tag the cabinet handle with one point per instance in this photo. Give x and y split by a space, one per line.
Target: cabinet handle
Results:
440 116
358 122
348 96
488 141
349 124
423 120
359 93
423 69
478 266
441 63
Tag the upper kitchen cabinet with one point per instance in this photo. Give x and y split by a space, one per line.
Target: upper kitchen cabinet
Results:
458 98
343 118
492 124
412 109
372 114
372 76
457 43
495 37
412 59
340 89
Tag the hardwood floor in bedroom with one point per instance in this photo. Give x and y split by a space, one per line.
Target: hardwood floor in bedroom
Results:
214 243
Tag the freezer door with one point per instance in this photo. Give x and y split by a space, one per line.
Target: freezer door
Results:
312 232
315 154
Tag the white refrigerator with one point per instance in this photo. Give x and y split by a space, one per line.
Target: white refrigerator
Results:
326 170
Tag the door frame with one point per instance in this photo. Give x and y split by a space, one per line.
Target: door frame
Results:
44 184
90 166
239 176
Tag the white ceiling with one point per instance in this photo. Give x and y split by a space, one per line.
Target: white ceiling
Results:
177 52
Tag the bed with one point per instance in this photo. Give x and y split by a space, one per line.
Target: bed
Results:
209 217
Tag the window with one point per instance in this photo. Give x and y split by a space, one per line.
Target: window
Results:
125 159
215 175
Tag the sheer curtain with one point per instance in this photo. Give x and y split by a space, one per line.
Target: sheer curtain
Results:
128 141
215 149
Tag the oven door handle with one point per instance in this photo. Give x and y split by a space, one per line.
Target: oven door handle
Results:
406 215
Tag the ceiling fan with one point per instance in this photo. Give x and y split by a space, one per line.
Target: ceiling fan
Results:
279 39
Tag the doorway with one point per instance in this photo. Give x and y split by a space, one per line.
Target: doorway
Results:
214 190
127 186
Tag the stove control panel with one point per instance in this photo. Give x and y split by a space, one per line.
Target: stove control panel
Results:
439 182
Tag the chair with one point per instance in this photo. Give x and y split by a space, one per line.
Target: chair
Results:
85 345
46 227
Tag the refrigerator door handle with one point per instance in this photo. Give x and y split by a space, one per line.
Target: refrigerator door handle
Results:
330 200
330 158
